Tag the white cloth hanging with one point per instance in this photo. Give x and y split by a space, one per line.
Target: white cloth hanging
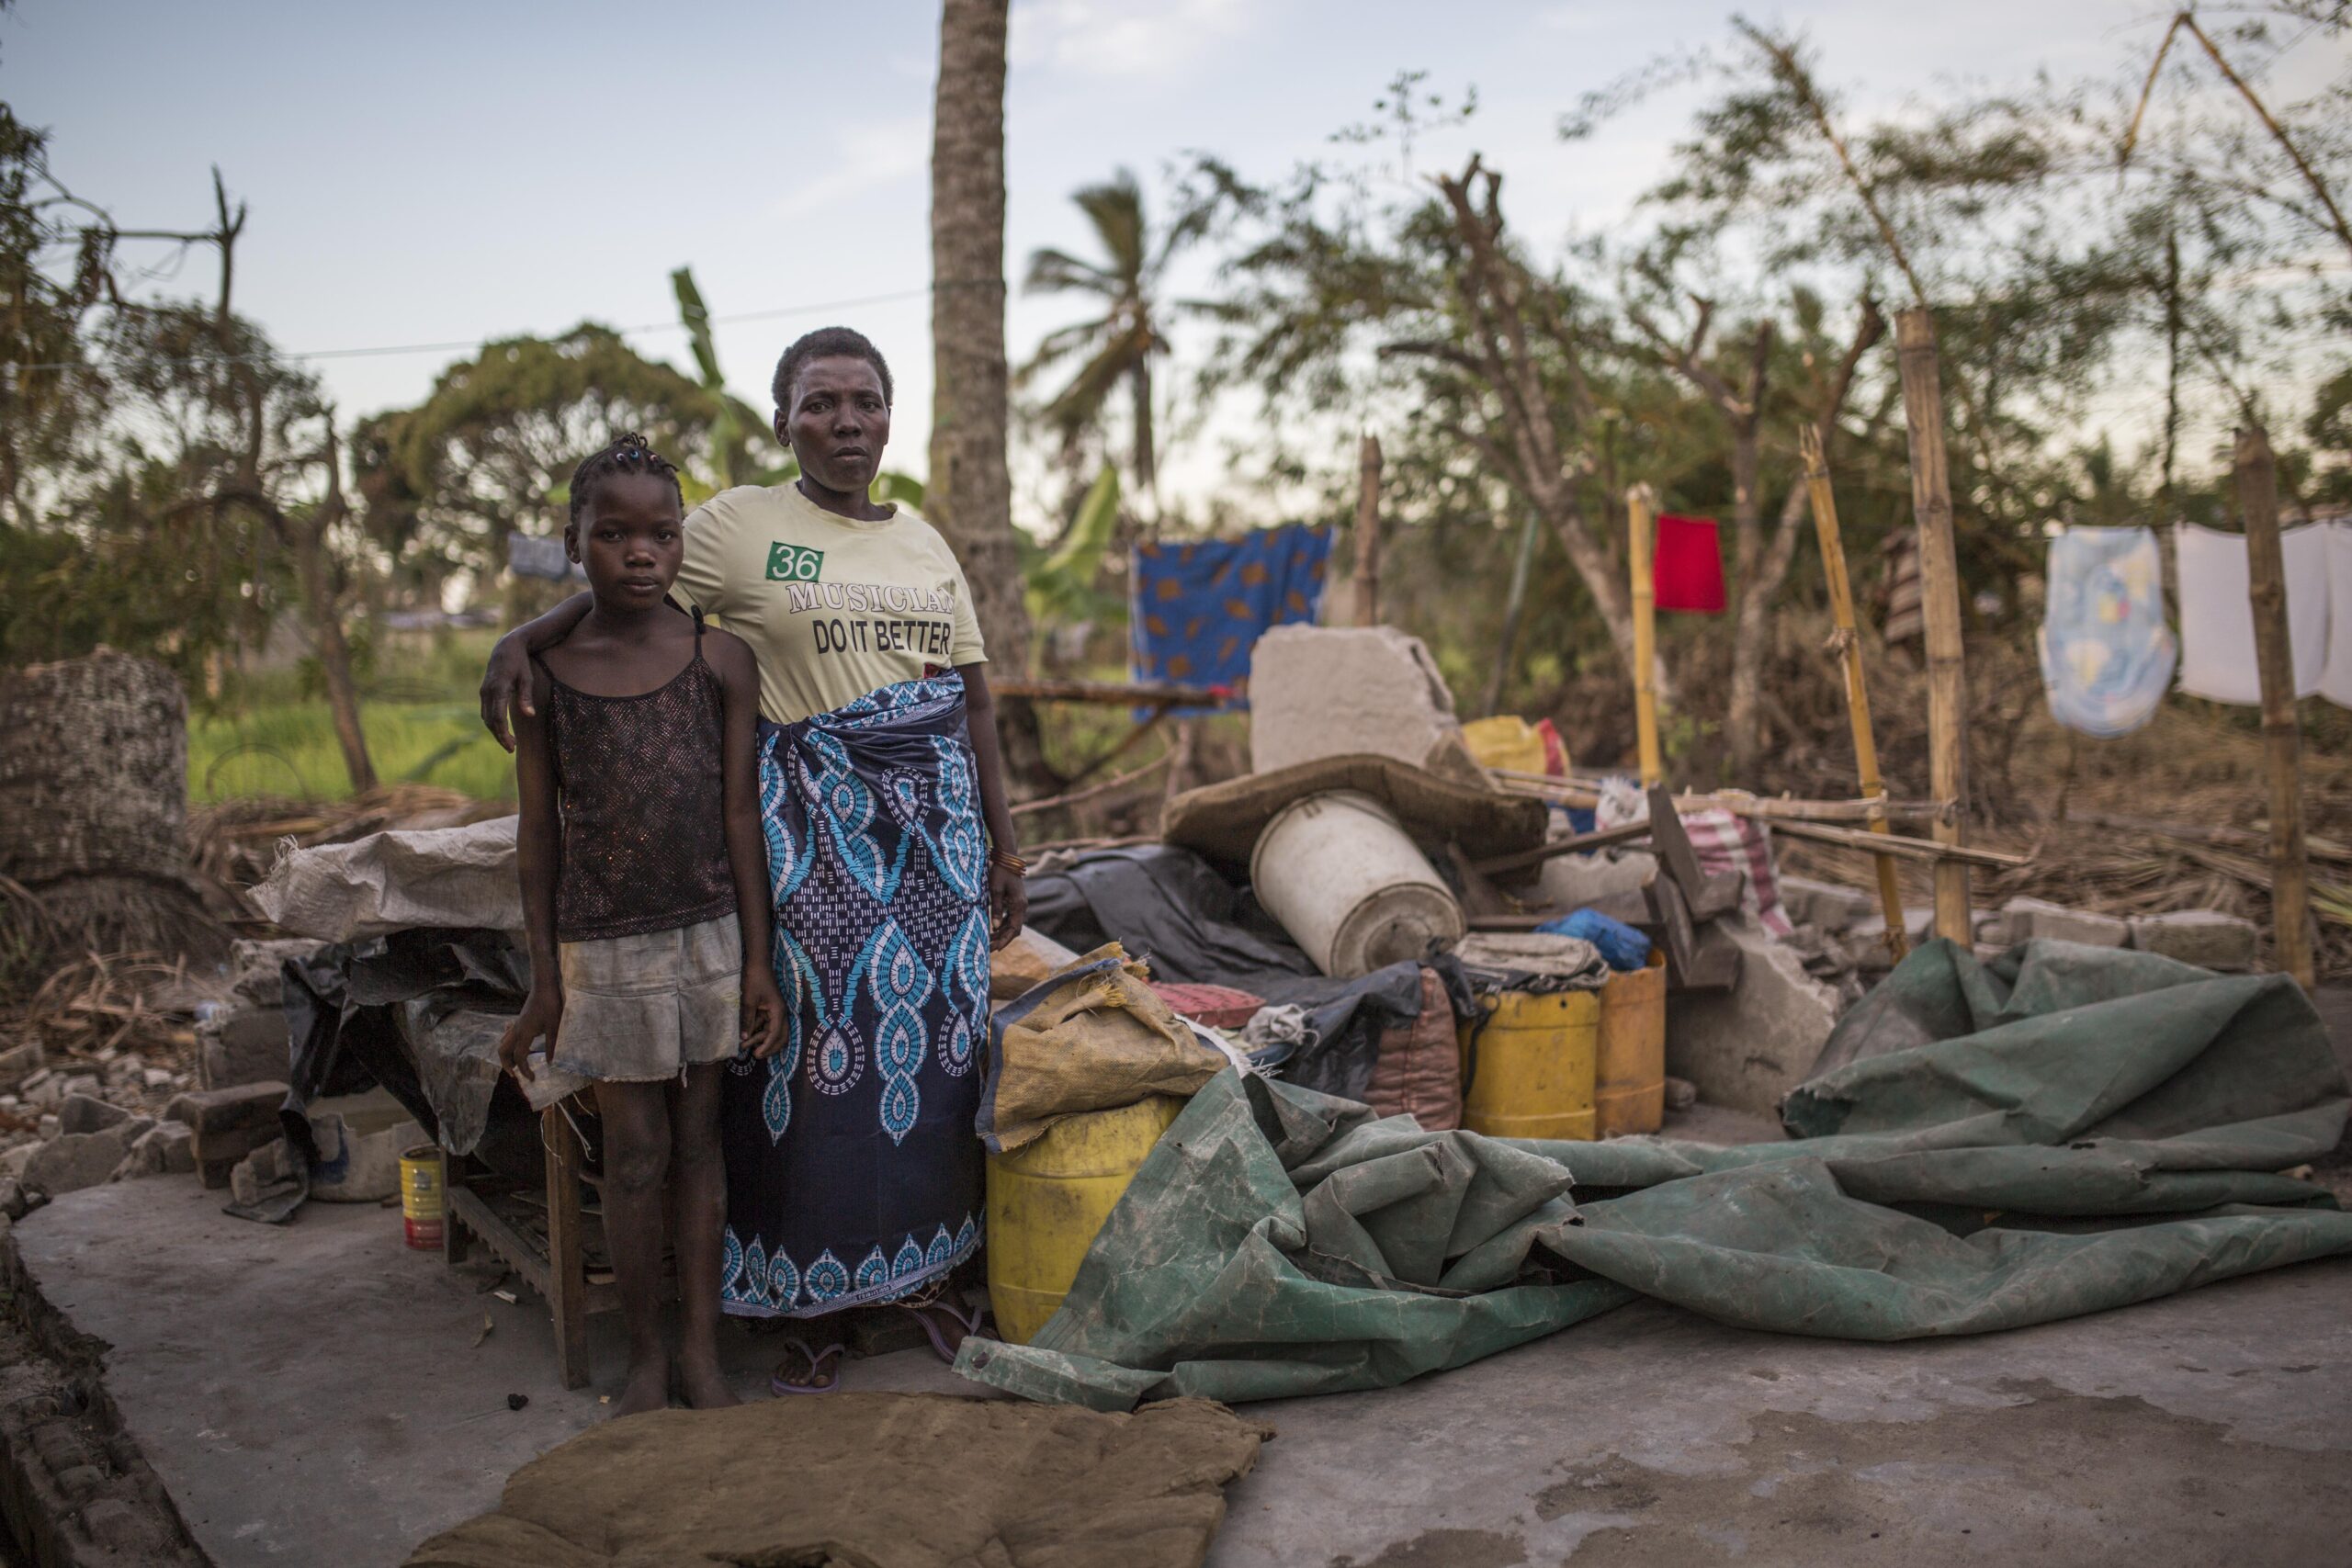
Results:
2217 657
2336 684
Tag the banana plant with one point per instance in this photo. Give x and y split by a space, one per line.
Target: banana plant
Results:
1061 586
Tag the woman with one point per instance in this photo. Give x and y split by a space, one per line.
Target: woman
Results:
852 1173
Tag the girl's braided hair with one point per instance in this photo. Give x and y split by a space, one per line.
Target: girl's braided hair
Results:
628 454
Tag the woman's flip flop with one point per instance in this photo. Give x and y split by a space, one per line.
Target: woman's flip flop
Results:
819 1380
921 1311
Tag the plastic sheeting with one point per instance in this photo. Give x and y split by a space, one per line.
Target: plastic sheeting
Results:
2060 1131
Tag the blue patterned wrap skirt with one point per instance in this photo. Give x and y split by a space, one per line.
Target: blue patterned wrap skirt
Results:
853 1170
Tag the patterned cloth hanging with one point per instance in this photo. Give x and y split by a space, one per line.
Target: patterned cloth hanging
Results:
1201 605
852 1172
2107 654
1689 566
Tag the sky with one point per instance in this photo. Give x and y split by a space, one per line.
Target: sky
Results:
447 171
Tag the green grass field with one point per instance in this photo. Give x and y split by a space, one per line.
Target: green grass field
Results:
418 706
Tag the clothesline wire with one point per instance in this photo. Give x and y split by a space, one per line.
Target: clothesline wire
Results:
460 344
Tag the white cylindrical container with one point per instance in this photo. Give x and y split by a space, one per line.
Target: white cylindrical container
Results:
1350 885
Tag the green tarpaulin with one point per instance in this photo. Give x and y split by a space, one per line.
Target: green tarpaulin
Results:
2057 1131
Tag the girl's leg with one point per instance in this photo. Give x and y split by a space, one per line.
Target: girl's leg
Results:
637 1158
698 1200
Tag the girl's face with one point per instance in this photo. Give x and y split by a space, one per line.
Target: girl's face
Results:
838 424
630 538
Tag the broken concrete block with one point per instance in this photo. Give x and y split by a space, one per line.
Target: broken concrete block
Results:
229 1123
2207 938
168 1149
261 1171
75 1160
2038 918
1825 905
1319 691
20 1062
242 1045
1748 1046
80 1113
12 1198
12 1161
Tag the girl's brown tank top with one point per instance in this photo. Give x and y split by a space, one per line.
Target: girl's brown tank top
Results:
639 788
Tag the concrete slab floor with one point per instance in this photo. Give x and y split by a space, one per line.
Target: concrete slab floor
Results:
315 1394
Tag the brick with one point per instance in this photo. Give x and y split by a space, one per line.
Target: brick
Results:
1825 905
20 1062
2207 938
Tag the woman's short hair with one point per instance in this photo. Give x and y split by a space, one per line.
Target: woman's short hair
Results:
826 343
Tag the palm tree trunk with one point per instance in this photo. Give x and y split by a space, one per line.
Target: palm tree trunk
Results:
1147 459
969 492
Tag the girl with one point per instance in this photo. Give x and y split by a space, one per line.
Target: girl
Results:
852 1172
645 897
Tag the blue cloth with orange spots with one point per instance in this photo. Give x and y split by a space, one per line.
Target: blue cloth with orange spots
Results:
1200 606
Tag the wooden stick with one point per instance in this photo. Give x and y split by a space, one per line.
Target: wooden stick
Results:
1738 802
1076 797
2282 734
1935 849
1367 593
1858 694
1923 408
1638 504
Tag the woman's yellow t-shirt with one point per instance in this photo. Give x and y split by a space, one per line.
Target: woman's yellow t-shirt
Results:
832 607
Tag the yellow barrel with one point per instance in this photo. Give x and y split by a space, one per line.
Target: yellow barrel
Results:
1532 1073
1048 1199
1629 1077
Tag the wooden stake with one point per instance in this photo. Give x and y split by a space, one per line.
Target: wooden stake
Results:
1850 646
1923 408
1639 505
2282 736
1367 593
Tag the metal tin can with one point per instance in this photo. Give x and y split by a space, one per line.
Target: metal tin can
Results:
421 1210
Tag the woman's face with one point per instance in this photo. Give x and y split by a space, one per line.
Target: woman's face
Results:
838 424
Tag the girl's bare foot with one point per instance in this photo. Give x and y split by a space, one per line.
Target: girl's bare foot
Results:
648 1387
703 1384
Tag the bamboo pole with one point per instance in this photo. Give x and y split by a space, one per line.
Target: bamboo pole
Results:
1638 506
1367 584
1738 802
1923 408
2282 737
1850 649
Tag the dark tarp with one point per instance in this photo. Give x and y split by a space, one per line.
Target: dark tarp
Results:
2058 1131
910 1479
1173 909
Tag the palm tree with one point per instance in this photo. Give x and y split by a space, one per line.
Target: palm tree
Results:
1118 346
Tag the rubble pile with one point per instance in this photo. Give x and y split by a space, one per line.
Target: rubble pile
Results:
77 1114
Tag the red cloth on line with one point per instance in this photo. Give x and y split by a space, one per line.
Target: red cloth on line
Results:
1689 565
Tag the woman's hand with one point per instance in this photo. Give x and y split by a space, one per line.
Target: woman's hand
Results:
542 1016
506 687
762 1011
1007 903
